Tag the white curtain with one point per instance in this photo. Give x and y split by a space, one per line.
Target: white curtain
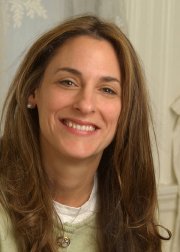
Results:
176 166
22 21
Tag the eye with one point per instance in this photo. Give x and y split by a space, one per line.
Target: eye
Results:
108 90
67 83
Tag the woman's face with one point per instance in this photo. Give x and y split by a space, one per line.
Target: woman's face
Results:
79 99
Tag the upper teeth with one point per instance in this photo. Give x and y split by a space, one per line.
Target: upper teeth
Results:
79 127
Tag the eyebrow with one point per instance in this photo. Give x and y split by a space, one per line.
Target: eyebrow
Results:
70 70
78 73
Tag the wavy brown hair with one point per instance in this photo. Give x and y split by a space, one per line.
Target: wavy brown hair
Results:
127 189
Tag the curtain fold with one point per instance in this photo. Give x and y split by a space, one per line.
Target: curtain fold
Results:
176 166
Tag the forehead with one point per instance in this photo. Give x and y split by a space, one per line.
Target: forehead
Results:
86 51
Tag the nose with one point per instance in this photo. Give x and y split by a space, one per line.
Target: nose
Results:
85 102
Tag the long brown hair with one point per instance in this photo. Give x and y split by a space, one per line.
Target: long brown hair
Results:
127 189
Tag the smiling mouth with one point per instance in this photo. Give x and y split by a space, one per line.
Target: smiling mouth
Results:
80 127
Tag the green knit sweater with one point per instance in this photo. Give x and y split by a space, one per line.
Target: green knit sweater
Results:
78 237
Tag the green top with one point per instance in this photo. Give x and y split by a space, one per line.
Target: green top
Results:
78 237
7 241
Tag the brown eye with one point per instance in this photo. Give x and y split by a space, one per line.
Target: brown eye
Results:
108 91
67 83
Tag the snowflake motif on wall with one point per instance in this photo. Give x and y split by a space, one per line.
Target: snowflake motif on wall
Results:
18 9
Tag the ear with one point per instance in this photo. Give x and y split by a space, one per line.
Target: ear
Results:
32 101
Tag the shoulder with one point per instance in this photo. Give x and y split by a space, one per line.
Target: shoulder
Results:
4 221
7 240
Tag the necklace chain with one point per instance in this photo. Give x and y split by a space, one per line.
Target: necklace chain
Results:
64 241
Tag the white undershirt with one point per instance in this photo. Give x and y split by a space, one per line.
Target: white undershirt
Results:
74 215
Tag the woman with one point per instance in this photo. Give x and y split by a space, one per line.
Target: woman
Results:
76 165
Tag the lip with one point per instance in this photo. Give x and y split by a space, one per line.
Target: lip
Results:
81 123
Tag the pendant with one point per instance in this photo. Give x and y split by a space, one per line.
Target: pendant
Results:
63 242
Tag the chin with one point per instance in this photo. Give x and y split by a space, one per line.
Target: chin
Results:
83 155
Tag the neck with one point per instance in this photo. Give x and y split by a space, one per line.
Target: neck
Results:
71 181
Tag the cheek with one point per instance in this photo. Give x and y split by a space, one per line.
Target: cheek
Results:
113 113
52 102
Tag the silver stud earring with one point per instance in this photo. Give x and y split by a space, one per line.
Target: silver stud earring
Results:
30 106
